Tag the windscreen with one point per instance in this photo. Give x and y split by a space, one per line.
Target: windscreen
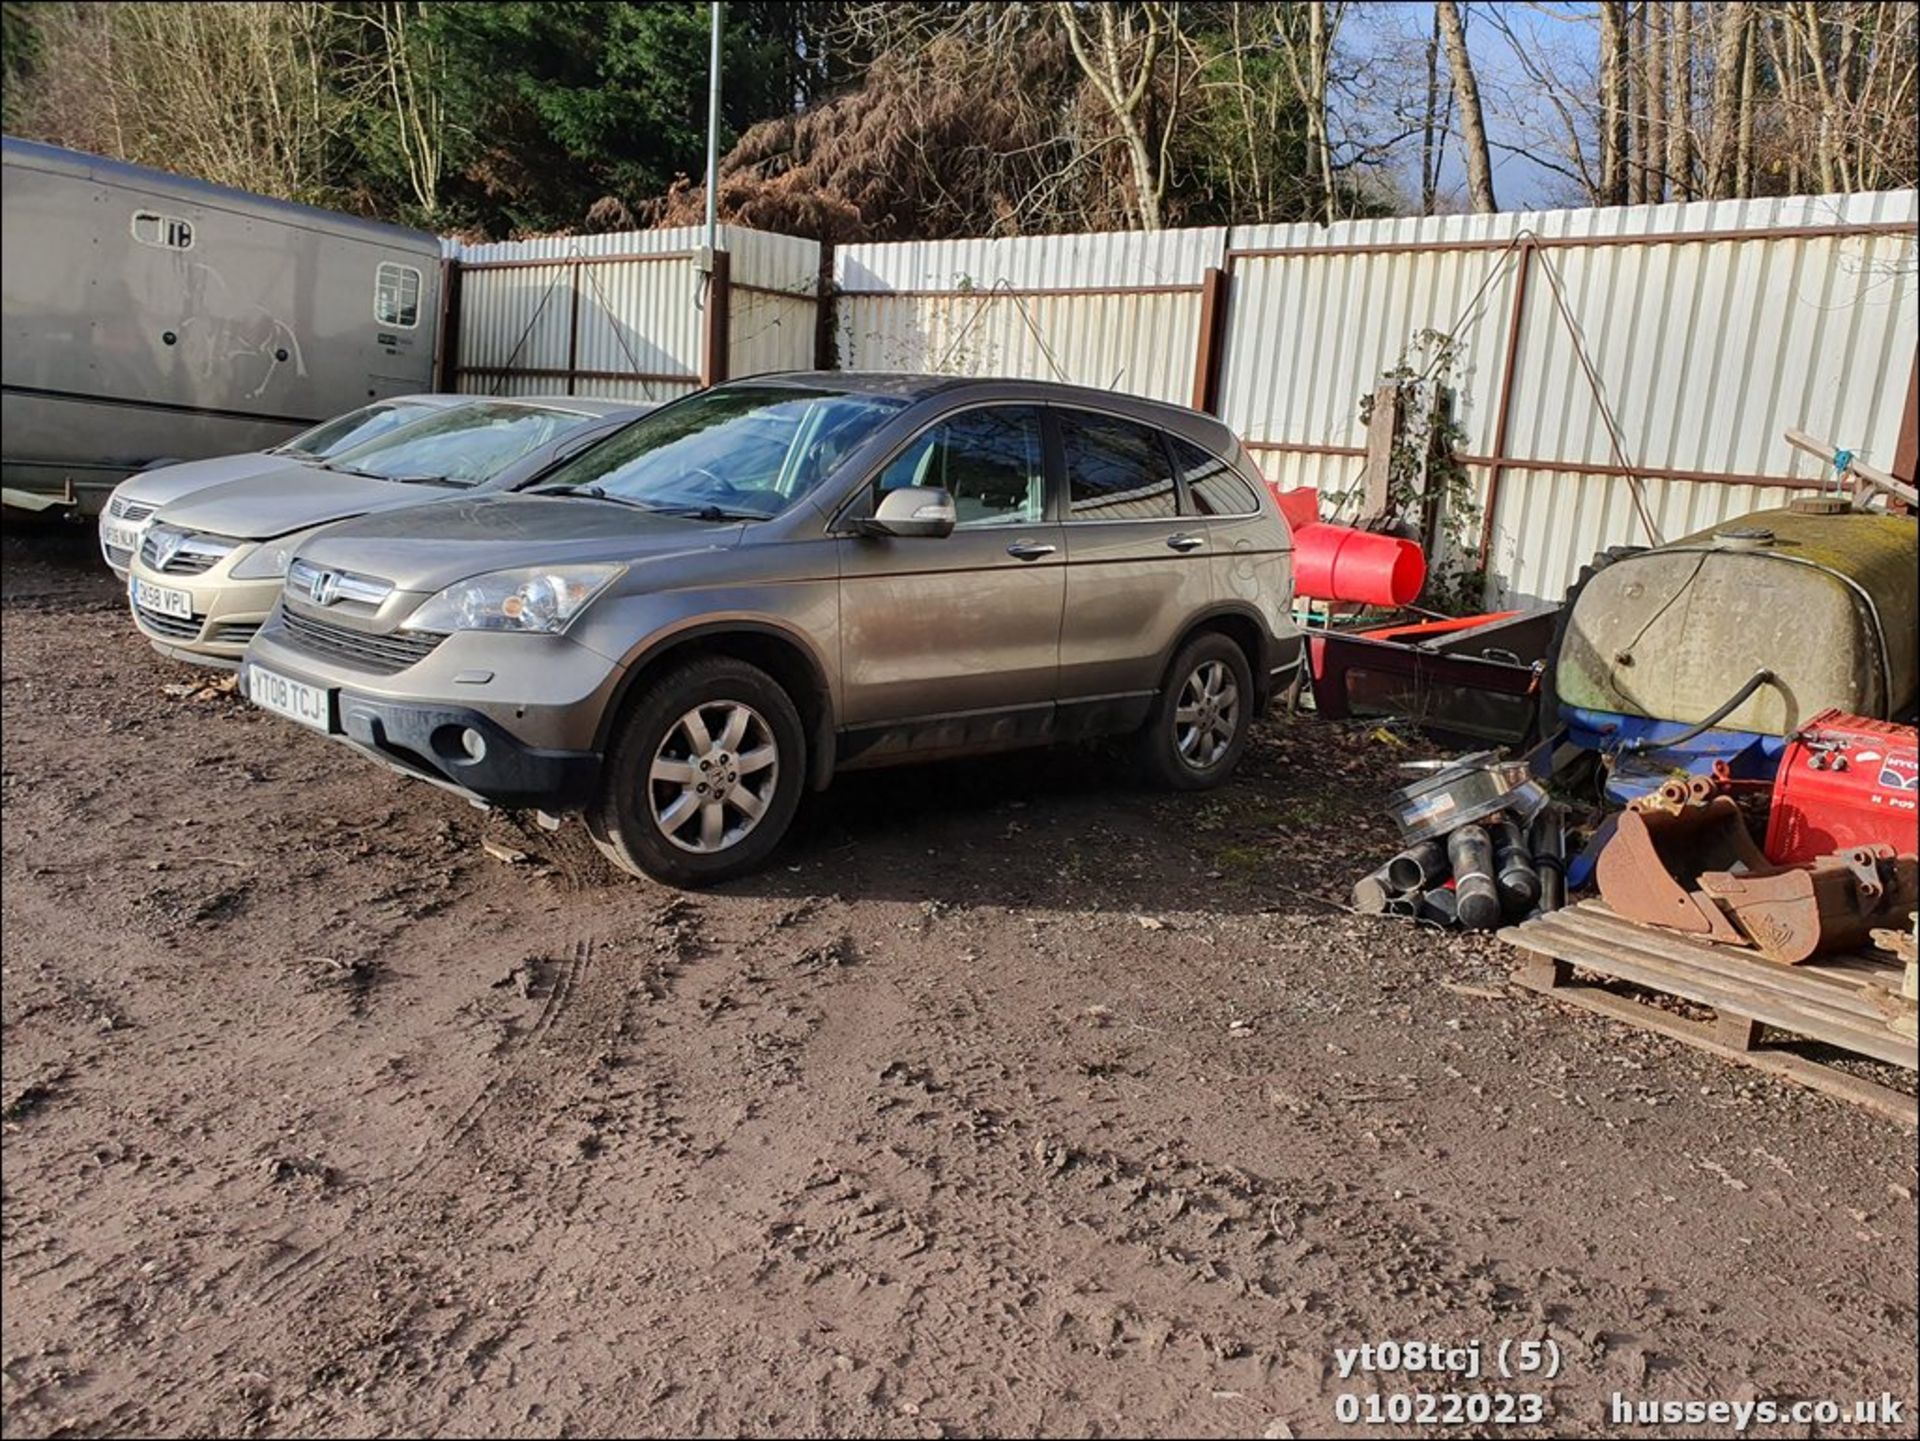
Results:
742 452
466 446
356 427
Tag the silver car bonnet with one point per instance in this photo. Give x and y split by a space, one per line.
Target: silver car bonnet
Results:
427 548
285 501
169 483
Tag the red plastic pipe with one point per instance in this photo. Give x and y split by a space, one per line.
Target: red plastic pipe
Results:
1339 563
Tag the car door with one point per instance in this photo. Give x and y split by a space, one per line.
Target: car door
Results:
1137 570
960 636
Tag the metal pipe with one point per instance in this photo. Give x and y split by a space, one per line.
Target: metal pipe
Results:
1406 907
1564 467
1550 857
713 133
1371 893
1514 875
1441 906
1574 242
1477 898
1418 868
1503 407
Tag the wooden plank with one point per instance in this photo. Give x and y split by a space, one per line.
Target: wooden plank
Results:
1735 1031
1850 975
1884 1100
1838 990
1609 953
1383 429
1543 972
1803 1019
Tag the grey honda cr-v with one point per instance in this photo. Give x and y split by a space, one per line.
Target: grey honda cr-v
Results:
776 579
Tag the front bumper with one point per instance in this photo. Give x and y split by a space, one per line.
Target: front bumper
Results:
465 750
506 724
227 613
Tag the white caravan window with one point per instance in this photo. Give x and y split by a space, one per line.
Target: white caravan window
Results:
163 232
396 295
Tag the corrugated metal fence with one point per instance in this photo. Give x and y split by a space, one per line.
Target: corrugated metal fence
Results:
1703 331
623 315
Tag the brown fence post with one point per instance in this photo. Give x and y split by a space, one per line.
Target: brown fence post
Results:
713 359
1906 449
446 370
1504 414
573 330
826 352
1215 291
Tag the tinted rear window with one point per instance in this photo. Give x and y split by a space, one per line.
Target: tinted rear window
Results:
1116 470
1213 485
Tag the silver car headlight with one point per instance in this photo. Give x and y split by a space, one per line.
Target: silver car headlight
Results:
543 599
270 559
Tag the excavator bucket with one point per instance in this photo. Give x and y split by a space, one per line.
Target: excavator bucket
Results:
1691 866
1650 871
1830 904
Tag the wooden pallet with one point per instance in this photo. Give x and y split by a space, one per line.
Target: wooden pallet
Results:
1852 1002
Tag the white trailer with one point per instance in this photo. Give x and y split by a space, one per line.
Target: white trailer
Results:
151 319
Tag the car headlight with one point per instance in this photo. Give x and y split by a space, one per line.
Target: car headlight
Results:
541 598
268 560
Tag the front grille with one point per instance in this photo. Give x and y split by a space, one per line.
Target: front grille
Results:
170 626
118 557
130 509
383 654
233 632
181 562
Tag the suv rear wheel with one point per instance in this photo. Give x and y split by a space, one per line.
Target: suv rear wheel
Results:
1198 728
704 777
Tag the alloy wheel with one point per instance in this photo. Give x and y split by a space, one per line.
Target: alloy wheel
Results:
1208 715
713 776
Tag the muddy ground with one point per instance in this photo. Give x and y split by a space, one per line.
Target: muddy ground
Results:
1012 1100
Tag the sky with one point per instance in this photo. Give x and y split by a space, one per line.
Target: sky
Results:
1385 28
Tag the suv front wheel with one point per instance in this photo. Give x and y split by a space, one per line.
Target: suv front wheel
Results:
704 777
1198 728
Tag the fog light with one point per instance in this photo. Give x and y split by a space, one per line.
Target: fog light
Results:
474 744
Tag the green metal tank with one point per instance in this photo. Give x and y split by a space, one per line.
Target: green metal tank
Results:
1824 596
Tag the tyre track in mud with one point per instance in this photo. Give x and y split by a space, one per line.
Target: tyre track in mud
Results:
1077 1131
356 1291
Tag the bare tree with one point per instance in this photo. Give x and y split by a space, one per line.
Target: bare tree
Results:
1656 101
1723 114
232 93
1639 164
1119 62
1311 64
407 60
1615 80
1679 107
1430 117
1466 89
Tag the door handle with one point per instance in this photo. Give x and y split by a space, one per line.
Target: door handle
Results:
1029 550
1184 543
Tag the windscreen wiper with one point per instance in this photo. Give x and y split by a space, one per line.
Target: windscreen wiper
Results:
710 512
591 492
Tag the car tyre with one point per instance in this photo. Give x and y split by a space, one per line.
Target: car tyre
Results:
1197 730
704 776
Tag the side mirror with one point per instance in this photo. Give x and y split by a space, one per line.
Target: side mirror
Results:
913 512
